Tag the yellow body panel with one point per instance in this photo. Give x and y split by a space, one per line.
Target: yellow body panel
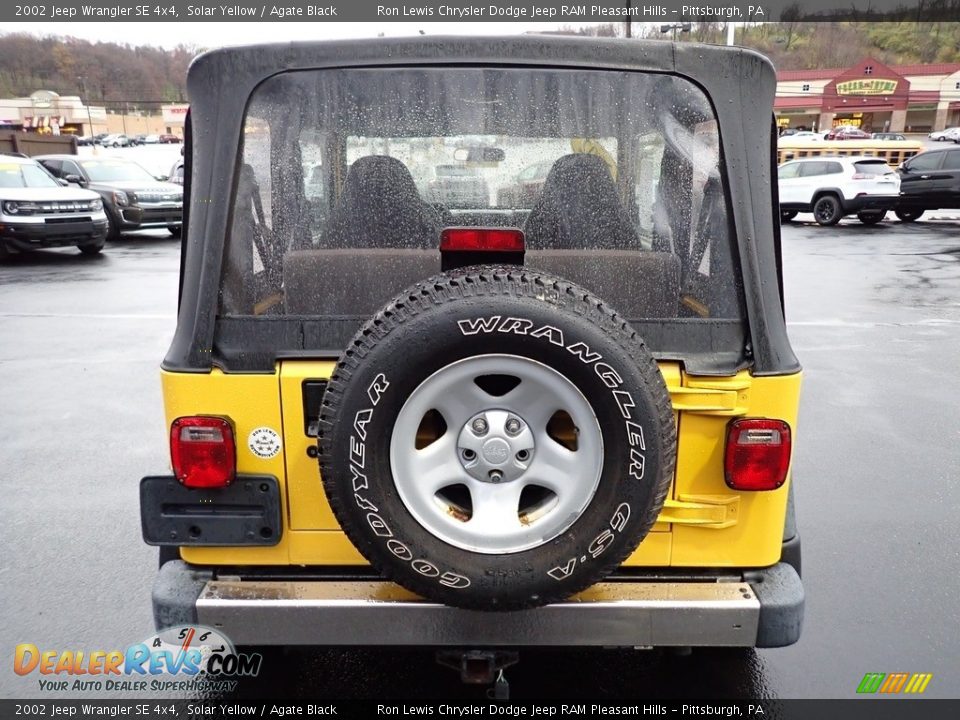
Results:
308 504
703 524
755 539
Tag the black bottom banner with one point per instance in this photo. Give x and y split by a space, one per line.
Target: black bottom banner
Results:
363 709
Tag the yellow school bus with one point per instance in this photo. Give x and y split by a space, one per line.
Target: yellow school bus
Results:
893 151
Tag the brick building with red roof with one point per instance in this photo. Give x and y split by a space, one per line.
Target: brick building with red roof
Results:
871 95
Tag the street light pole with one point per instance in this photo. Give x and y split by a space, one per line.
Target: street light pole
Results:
673 27
86 102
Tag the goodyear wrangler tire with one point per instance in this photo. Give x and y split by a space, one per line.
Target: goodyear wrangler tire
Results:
496 438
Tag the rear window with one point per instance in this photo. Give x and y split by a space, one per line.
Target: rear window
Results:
820 167
348 177
873 167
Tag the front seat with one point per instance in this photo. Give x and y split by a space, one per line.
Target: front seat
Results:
579 209
579 231
381 208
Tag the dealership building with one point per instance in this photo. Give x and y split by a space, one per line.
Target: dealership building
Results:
872 96
46 112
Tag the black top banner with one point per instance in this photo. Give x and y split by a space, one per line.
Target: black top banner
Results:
421 11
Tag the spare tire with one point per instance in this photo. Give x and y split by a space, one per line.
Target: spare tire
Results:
496 438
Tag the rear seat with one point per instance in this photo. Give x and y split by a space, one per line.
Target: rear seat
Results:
638 284
356 283
351 282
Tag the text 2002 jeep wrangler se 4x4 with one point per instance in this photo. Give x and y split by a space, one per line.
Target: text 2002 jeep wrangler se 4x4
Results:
394 422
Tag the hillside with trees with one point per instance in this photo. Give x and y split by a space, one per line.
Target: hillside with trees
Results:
812 45
112 73
806 45
104 73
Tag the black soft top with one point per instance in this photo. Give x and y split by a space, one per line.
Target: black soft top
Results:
740 83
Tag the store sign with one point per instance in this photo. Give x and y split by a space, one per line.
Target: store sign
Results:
43 99
174 114
872 86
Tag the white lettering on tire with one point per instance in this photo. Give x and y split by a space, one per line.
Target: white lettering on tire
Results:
625 403
554 335
607 374
515 325
597 546
583 351
637 464
360 421
359 479
379 526
425 568
619 520
563 571
400 550
472 327
377 388
454 580
600 543
358 452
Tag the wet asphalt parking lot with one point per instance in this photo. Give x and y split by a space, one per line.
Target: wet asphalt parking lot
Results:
874 316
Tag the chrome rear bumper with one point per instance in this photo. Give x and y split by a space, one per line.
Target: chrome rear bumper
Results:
610 614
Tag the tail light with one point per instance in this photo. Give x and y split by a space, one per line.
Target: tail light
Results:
757 455
203 451
473 239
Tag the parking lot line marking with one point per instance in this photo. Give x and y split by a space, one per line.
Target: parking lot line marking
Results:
862 324
89 316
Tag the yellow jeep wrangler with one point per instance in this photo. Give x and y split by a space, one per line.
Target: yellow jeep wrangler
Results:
480 345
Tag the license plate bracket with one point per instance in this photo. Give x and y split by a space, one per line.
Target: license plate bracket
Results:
245 513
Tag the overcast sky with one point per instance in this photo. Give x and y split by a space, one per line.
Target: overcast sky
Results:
215 34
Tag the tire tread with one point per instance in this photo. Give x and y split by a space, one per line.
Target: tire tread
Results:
496 281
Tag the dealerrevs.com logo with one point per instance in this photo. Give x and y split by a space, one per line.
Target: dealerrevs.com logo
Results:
190 658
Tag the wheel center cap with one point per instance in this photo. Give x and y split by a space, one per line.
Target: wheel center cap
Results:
496 445
496 451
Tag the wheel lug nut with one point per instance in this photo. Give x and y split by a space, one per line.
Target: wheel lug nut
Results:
496 476
468 454
513 426
523 456
479 426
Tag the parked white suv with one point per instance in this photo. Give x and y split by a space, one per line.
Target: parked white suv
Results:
36 212
831 187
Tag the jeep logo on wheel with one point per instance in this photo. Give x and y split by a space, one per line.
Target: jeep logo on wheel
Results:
496 451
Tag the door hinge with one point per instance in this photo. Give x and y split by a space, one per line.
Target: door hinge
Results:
708 511
711 397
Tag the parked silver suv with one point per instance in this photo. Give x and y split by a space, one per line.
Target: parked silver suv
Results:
37 212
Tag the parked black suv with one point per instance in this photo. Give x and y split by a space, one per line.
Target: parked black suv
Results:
132 197
929 181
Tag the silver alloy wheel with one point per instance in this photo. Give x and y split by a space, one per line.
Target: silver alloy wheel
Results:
496 481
